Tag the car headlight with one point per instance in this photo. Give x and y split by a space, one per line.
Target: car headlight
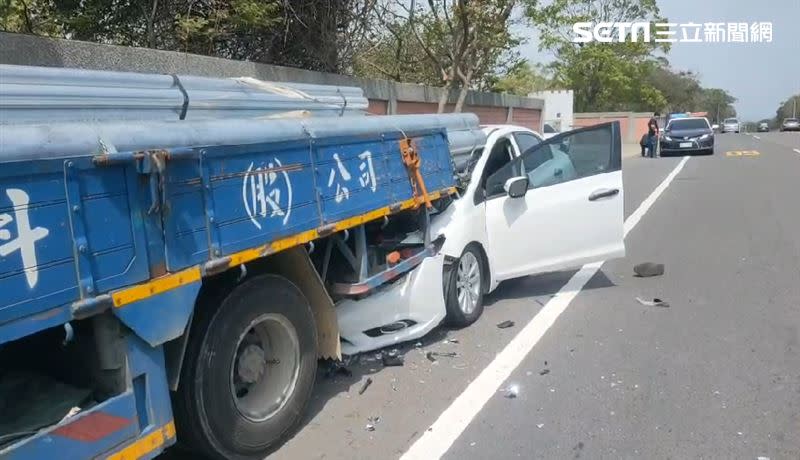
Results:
705 136
667 138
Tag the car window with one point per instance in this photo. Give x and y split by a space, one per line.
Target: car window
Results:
568 157
525 141
731 120
688 123
501 155
548 129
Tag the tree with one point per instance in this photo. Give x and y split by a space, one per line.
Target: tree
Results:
523 79
718 103
312 34
462 41
604 76
790 108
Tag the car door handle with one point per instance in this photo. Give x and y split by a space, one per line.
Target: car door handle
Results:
603 193
558 172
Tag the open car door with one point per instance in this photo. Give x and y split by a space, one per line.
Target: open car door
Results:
559 205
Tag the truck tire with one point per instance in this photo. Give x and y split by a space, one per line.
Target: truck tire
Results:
464 299
248 372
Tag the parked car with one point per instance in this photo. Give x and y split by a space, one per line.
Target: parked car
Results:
790 124
687 135
763 127
730 125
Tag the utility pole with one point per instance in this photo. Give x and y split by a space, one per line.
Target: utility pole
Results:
794 110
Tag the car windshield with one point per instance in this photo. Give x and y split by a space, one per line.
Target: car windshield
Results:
687 123
731 120
791 120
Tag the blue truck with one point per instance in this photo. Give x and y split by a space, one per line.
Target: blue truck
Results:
170 279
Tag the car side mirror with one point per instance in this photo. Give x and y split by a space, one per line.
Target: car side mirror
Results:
516 186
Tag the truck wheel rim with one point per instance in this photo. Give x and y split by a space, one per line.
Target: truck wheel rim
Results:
468 283
265 367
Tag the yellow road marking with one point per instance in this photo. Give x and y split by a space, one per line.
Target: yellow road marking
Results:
742 153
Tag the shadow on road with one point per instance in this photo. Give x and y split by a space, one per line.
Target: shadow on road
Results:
545 285
330 384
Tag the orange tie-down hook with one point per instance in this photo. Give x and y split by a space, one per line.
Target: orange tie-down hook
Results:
412 161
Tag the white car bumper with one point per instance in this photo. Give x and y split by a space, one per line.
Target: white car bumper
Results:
405 310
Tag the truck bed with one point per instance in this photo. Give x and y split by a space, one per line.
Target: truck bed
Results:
91 214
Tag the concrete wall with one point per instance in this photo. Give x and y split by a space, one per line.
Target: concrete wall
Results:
385 97
632 124
558 108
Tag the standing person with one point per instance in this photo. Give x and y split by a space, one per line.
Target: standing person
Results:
650 140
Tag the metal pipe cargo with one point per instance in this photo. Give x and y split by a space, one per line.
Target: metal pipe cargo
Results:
56 111
52 140
44 94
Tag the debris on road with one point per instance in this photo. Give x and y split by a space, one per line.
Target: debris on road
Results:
366 385
337 368
656 302
544 372
648 269
372 422
430 356
511 391
539 425
505 324
446 341
392 359
449 354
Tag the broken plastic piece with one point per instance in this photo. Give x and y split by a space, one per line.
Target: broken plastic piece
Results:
511 391
366 385
648 269
449 354
392 360
506 324
656 302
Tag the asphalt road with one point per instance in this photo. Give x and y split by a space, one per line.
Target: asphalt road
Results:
715 375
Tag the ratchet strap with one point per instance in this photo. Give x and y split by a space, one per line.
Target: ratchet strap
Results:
412 161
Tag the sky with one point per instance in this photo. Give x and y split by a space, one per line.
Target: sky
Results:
759 75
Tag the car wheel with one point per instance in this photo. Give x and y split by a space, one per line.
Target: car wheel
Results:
249 371
464 300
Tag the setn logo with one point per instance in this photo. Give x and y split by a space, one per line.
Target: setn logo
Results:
608 32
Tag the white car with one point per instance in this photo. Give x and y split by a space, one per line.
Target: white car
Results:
529 206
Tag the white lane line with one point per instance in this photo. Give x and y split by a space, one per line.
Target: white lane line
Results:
454 420
796 150
756 137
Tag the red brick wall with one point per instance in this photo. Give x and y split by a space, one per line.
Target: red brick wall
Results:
404 108
377 107
529 118
488 115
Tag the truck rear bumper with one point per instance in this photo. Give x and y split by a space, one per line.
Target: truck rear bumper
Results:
404 310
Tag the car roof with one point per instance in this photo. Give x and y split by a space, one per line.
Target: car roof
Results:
689 118
505 129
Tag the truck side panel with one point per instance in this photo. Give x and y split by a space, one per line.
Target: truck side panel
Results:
143 412
223 200
53 210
